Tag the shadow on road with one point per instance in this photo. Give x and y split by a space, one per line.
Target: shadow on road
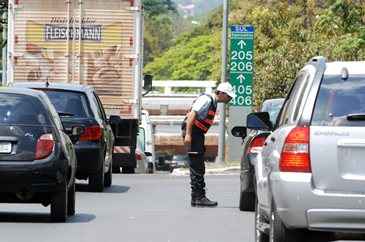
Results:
7 217
313 236
116 189
112 189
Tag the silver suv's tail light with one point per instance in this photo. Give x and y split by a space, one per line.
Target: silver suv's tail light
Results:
295 154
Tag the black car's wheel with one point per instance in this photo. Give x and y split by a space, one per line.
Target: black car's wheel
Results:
96 182
71 198
279 232
108 177
247 201
59 205
260 235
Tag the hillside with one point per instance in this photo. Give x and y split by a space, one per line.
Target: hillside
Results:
194 8
286 37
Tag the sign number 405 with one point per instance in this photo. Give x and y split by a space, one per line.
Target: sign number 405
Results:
240 99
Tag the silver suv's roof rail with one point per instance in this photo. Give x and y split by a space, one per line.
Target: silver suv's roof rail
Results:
318 60
319 63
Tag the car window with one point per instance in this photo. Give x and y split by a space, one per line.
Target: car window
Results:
53 112
74 103
100 107
300 97
142 138
273 108
18 109
338 98
289 105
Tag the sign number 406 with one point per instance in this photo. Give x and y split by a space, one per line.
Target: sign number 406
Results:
241 100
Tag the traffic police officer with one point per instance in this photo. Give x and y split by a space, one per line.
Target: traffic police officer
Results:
196 124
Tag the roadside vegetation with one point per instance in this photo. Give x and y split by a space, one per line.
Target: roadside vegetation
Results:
287 35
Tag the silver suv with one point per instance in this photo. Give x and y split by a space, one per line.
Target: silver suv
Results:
310 173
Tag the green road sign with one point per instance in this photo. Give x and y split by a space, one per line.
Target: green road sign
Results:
241 64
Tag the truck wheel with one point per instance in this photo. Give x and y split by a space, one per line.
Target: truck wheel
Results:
108 177
59 205
71 199
128 170
247 201
150 168
116 169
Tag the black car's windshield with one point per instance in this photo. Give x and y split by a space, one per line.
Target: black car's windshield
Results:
73 104
340 102
273 107
19 109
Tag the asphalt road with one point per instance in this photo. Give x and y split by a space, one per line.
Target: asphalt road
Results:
138 208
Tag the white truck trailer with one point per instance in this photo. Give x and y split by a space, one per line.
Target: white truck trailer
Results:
92 42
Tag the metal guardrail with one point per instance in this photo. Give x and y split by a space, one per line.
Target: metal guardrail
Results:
168 85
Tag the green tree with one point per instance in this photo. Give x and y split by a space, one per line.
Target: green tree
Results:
158 7
159 30
3 9
187 61
287 35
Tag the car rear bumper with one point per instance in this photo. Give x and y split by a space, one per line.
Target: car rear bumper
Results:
88 157
300 205
31 178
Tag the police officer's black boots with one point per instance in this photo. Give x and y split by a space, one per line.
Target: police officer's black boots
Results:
198 198
203 202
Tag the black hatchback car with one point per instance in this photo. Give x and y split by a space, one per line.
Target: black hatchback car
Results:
78 105
37 158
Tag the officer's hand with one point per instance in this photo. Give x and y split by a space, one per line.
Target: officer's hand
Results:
187 140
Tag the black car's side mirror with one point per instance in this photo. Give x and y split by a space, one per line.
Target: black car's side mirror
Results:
259 121
148 153
147 82
76 132
239 132
114 119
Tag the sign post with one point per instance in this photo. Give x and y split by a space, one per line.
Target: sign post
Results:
241 78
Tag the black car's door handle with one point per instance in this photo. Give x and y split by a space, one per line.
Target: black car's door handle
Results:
273 139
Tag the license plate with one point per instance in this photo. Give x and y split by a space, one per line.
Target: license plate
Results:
5 147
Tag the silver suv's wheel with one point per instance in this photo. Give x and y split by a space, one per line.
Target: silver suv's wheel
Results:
260 224
279 232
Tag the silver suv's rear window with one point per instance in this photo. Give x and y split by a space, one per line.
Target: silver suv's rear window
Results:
338 100
19 109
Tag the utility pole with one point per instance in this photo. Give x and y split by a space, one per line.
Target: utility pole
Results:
4 52
221 106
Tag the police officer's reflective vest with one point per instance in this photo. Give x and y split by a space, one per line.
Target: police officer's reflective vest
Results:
204 124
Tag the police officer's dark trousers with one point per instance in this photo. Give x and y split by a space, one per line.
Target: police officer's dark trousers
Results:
197 165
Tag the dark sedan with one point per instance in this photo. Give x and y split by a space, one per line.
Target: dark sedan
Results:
78 105
254 140
37 159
